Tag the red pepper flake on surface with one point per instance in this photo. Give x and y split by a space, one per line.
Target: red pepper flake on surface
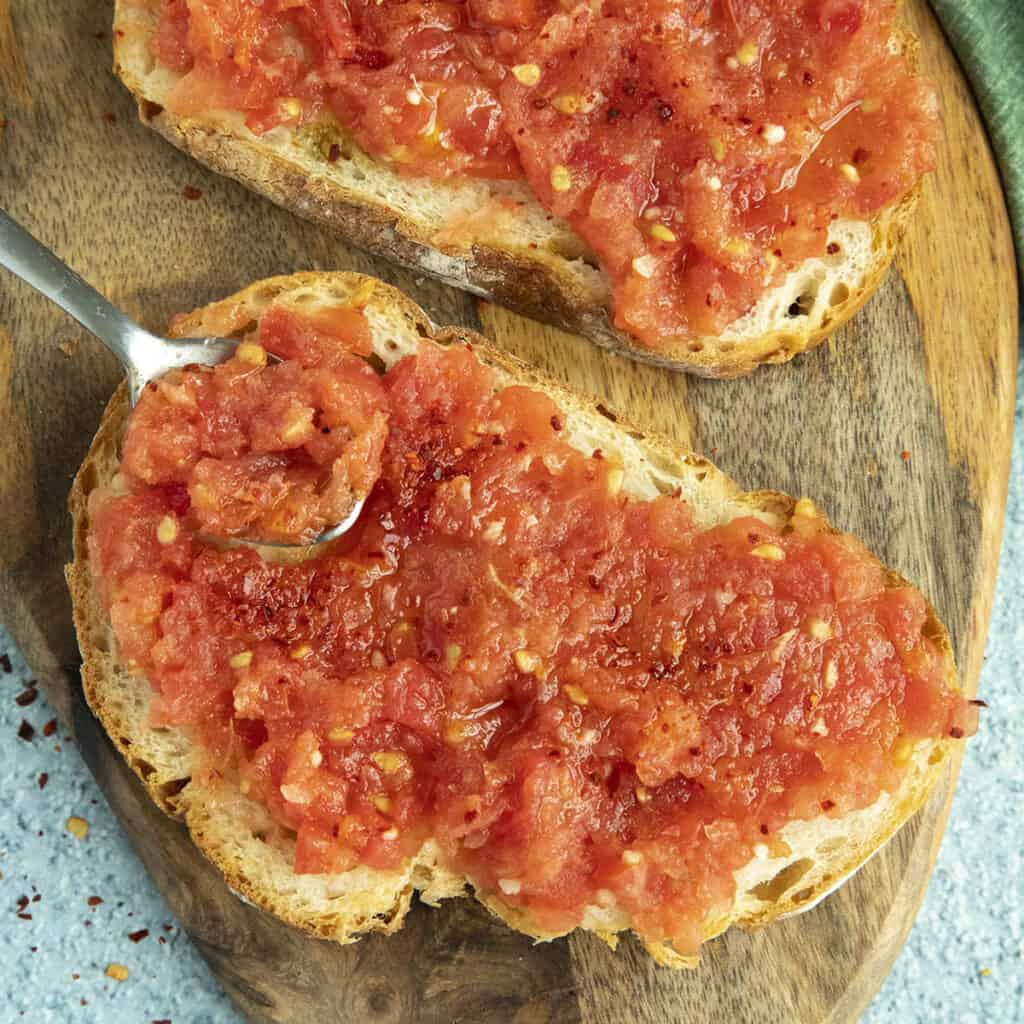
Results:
44 778
94 901
191 192
21 903
26 731
110 118
5 659
905 456
334 153
50 728
25 917
142 933
27 696
163 1020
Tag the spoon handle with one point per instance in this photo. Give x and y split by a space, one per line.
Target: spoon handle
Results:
38 266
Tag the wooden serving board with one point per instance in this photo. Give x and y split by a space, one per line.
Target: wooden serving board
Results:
901 428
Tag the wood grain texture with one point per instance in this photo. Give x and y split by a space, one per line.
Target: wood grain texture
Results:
927 368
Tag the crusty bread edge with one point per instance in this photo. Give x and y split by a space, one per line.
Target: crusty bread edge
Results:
535 284
141 747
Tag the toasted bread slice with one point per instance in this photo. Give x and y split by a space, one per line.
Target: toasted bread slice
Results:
528 261
238 835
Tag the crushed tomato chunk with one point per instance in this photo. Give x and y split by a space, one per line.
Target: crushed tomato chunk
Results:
700 149
277 453
583 697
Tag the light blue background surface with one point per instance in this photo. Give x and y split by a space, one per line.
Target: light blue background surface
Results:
964 961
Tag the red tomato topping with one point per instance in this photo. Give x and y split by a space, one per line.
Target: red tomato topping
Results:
275 452
583 697
700 149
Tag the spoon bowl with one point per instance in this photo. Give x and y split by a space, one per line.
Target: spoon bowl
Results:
143 355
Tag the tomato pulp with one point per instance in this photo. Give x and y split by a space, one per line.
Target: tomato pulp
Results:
700 149
278 453
584 698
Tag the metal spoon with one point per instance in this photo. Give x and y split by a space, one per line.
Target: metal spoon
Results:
144 356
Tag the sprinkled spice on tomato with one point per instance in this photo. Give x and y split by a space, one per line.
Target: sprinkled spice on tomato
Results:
700 149
583 697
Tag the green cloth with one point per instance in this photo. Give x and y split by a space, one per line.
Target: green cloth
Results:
988 37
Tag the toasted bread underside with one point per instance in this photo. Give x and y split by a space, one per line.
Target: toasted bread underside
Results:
237 834
529 262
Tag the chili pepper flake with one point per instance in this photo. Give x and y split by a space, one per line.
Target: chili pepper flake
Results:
50 728
27 696
25 731
5 659
110 118
142 933
44 778
905 455
94 901
191 192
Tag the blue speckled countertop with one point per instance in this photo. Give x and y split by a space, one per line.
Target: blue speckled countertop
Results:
964 961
